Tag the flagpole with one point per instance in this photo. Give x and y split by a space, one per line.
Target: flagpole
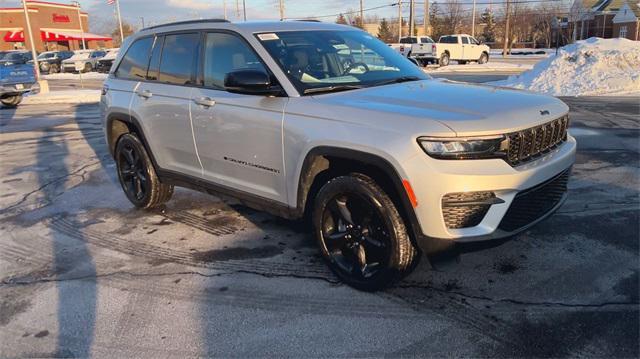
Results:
119 21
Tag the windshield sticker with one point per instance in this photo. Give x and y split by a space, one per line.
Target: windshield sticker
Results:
267 37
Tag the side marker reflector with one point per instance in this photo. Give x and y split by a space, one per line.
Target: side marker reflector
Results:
409 190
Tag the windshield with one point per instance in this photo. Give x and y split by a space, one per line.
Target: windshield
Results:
80 56
17 57
46 55
337 59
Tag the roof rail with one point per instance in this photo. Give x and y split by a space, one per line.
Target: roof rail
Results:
187 22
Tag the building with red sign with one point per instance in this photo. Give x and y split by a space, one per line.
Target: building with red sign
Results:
55 27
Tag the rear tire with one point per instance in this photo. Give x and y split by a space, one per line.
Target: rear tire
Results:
12 101
444 60
137 175
54 69
87 68
361 234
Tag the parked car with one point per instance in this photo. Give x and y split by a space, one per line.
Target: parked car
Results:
17 77
51 61
461 48
104 63
417 47
325 122
82 61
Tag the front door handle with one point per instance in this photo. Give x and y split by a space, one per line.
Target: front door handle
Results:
205 101
144 94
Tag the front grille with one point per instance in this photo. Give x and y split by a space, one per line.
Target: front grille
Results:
529 205
466 209
531 143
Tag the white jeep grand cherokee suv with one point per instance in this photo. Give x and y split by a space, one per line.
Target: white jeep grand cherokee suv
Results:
325 121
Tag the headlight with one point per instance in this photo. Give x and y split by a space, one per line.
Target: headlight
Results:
458 148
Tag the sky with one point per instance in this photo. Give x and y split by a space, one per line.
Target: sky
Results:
159 11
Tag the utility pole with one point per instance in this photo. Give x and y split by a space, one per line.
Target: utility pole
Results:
281 10
426 17
399 20
34 54
224 8
473 20
506 31
244 9
142 21
361 14
119 22
238 9
412 17
84 43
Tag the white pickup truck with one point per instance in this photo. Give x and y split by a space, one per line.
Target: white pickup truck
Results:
418 47
462 48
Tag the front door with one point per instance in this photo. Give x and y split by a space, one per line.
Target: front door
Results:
238 136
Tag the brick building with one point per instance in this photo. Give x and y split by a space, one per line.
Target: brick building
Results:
604 18
55 27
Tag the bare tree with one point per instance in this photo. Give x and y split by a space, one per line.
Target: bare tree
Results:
453 18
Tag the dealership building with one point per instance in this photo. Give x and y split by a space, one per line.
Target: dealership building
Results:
55 26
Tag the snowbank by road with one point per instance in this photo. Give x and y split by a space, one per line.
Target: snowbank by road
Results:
491 66
74 76
591 67
70 96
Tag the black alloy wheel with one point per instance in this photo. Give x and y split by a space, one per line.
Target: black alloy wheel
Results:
355 236
132 173
137 174
361 234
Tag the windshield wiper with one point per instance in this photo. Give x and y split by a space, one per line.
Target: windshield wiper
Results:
397 80
332 88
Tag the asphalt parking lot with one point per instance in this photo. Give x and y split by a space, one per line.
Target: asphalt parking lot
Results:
84 273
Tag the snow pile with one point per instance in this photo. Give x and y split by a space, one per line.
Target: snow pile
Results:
74 76
591 67
67 96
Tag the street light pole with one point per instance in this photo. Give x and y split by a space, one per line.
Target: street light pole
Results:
399 20
281 10
34 54
473 20
244 9
84 44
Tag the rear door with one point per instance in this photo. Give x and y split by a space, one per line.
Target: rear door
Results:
161 102
238 136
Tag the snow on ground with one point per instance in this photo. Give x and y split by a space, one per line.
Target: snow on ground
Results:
590 67
524 53
491 66
74 76
66 96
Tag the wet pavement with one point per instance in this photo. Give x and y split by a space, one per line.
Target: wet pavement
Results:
84 273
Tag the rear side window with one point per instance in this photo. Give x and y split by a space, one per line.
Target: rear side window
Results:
179 59
465 40
408 40
225 53
134 64
449 40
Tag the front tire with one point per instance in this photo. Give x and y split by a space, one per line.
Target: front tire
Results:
137 175
12 101
361 233
484 58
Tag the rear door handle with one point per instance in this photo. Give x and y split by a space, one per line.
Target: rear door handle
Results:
205 101
144 94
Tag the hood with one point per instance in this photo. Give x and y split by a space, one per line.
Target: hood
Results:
467 109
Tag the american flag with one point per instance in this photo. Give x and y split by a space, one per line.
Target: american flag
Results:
111 2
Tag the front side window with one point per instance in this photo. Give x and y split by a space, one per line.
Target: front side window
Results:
315 60
179 58
134 64
465 40
225 53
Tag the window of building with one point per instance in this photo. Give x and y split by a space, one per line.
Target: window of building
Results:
623 31
179 59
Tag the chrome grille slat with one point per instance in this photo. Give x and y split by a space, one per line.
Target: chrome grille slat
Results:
530 143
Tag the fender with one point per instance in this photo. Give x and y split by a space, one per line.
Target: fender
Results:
315 162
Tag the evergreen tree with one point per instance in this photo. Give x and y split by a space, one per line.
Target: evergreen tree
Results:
341 20
489 32
384 31
435 20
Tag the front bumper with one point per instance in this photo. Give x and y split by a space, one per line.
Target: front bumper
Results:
433 179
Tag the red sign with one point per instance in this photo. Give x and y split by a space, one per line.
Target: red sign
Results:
60 18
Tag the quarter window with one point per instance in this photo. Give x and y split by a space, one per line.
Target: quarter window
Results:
134 64
179 59
226 53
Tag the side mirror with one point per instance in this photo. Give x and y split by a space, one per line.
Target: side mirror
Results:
250 82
